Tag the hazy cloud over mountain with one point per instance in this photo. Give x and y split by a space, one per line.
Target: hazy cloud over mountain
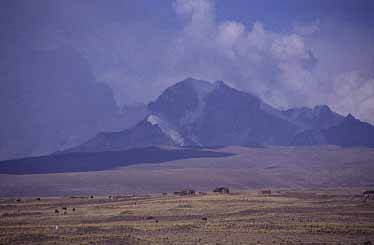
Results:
289 53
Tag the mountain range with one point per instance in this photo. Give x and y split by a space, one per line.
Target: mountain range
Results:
196 113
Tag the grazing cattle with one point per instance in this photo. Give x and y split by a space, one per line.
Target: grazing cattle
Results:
56 211
204 218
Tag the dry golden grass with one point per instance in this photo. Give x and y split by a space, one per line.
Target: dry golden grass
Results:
288 217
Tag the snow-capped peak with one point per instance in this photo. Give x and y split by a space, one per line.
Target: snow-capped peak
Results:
166 129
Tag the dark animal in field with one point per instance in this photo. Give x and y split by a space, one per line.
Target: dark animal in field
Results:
187 192
38 199
265 192
18 200
204 218
73 209
82 197
91 196
64 208
56 211
222 190
150 217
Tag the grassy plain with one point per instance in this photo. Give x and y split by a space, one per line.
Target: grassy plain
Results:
308 216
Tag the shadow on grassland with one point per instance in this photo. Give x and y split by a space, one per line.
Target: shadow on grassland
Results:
97 161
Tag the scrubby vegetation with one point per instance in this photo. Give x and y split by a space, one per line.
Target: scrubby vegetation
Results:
288 217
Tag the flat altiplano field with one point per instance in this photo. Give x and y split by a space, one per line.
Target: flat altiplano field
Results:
326 216
256 168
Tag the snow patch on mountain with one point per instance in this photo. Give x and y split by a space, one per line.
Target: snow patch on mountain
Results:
202 89
166 129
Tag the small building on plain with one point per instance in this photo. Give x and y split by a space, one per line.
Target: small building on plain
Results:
222 190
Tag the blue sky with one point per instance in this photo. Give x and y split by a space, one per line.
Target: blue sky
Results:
290 53
284 13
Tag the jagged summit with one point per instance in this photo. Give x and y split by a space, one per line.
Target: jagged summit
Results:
318 117
219 83
192 82
350 117
322 109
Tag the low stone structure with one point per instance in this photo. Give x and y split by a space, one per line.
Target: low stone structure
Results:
368 195
265 192
223 190
186 192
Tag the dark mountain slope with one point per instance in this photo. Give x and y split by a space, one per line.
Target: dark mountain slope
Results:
182 102
232 117
349 132
317 118
142 135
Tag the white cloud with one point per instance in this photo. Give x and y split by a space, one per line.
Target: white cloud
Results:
306 29
228 35
264 62
198 14
289 48
354 94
